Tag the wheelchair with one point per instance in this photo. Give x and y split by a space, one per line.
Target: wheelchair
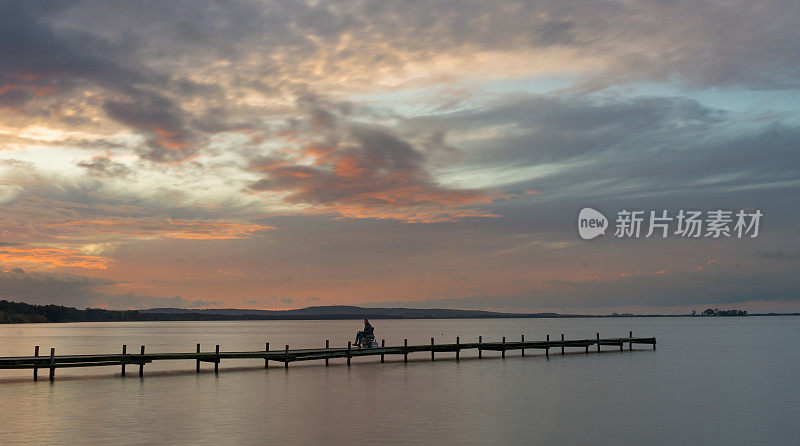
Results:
368 342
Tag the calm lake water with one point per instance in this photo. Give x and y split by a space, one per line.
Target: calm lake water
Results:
711 381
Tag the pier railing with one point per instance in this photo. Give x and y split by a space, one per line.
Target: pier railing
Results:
287 355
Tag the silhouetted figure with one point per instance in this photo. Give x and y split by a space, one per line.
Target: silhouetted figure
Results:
362 335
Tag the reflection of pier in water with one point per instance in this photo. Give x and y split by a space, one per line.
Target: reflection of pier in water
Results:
287 355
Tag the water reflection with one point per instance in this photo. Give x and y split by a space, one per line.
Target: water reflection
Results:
702 367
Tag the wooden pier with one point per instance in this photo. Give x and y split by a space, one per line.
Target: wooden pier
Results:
286 355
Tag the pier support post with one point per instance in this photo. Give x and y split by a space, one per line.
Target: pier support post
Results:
327 346
141 363
52 363
266 361
35 368
630 343
547 347
43 362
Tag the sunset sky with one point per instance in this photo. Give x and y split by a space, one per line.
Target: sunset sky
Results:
284 154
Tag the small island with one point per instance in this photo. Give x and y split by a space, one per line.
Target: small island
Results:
716 312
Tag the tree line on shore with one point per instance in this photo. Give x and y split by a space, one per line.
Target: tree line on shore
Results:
20 312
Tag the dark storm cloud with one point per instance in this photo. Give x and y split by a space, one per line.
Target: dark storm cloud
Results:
158 117
362 171
47 62
36 59
14 96
105 167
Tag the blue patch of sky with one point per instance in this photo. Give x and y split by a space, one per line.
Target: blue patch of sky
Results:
438 98
778 105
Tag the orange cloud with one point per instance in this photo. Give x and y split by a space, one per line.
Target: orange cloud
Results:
408 215
372 174
41 258
163 228
170 140
36 90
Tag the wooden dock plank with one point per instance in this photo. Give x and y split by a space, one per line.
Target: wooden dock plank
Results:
287 355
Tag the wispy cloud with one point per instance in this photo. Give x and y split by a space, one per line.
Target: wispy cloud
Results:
155 228
46 258
232 148
359 171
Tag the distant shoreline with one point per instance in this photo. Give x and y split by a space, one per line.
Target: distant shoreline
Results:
17 312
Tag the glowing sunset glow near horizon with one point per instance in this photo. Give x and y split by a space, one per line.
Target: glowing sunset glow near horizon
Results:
275 155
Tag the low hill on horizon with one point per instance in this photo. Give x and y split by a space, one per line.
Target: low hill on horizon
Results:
20 312
348 312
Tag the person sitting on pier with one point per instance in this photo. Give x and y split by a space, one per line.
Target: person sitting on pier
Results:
362 335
